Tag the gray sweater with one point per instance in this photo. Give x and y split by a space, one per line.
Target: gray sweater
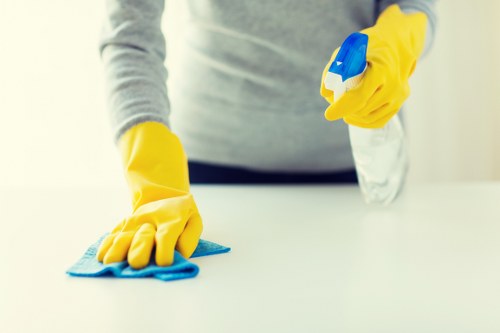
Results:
246 89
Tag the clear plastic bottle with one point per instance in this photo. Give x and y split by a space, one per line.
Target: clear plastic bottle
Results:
380 155
381 159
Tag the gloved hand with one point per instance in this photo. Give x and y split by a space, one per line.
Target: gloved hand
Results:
395 43
164 212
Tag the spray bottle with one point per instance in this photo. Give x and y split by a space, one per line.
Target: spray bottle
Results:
380 155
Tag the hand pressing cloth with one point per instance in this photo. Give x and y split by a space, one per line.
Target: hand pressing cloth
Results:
88 266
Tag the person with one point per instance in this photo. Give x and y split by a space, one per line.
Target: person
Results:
243 100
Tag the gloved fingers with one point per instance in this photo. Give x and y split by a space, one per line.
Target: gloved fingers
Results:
108 241
118 250
381 122
166 238
119 226
380 98
355 121
378 118
105 245
356 99
367 121
385 95
188 240
142 246
326 93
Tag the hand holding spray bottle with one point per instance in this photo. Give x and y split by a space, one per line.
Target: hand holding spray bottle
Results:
380 155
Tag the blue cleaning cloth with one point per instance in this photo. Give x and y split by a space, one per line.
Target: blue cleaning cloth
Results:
88 266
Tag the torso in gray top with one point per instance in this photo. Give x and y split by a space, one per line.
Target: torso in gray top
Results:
245 91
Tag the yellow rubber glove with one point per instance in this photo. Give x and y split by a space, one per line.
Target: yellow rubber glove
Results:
164 212
395 43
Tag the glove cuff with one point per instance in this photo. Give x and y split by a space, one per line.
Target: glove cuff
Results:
154 162
409 29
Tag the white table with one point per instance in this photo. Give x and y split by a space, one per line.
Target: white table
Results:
304 259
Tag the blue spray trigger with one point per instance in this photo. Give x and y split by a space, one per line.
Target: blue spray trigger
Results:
351 59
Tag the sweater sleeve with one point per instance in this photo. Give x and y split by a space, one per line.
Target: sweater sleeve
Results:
133 51
411 6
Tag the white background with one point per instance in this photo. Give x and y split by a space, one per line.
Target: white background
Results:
54 126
